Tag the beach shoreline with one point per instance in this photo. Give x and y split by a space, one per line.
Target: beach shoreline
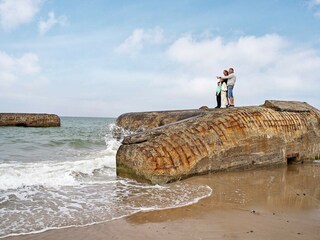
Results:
278 203
197 221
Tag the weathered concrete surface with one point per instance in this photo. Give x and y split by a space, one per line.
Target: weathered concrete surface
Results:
276 133
29 120
140 121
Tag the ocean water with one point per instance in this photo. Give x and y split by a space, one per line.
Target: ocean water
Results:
54 178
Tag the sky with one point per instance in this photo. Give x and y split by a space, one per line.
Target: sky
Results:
102 58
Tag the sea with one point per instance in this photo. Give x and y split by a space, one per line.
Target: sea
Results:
59 177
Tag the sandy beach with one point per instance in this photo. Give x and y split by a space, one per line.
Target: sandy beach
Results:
280 203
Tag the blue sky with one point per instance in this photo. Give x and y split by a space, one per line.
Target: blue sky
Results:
104 58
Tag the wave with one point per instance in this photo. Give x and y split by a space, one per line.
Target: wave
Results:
55 167
77 187
43 208
50 174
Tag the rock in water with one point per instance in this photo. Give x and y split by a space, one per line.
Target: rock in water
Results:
29 120
278 132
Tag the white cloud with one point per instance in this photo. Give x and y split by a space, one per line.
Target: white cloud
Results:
7 76
13 69
28 64
315 2
16 12
45 26
23 88
268 67
205 54
6 61
139 39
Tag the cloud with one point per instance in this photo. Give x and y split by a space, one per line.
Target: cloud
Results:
13 69
314 4
139 39
45 26
16 12
205 54
268 67
28 64
23 88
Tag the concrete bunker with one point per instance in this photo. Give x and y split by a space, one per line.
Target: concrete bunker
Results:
29 120
275 133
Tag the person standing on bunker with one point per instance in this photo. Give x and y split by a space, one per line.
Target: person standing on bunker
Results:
224 88
231 80
218 94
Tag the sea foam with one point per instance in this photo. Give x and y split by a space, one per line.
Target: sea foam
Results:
79 190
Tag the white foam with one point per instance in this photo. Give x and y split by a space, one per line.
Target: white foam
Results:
79 192
91 204
50 174
59 173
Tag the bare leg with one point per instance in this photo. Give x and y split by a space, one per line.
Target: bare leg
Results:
231 100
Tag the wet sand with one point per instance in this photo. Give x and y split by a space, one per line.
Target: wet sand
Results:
279 203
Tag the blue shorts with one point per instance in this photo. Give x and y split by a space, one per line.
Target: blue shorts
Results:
230 91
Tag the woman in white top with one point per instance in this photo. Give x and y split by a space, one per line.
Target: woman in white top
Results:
224 100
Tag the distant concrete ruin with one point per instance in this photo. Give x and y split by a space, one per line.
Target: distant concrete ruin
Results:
29 120
172 145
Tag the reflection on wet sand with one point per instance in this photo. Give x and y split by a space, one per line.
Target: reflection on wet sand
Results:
293 187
